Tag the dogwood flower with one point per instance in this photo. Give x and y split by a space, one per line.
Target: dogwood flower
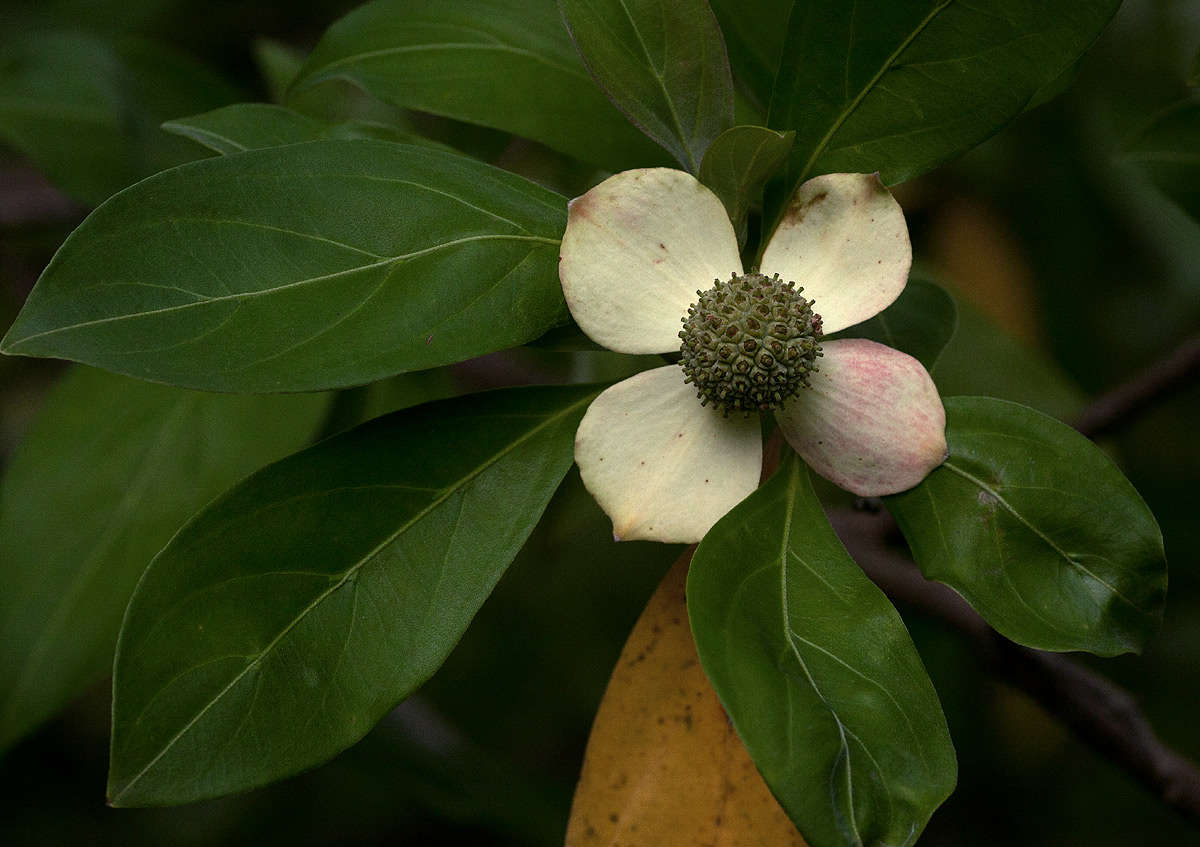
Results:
668 452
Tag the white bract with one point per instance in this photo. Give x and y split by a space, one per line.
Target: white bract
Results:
662 466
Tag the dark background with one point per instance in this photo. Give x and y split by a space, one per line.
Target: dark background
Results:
1072 273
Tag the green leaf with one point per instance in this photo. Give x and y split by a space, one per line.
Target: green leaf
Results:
110 470
289 616
663 63
317 265
254 126
1056 87
369 129
1168 151
505 64
920 323
754 32
246 126
278 64
86 110
817 672
900 86
738 165
1037 528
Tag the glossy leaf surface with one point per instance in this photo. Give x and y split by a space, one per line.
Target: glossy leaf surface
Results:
506 64
1037 528
253 126
663 63
738 165
305 267
663 764
900 86
1168 150
86 110
110 470
920 322
289 616
817 672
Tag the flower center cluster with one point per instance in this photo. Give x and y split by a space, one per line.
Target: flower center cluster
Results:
750 343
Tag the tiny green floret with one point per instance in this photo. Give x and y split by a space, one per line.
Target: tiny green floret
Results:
750 343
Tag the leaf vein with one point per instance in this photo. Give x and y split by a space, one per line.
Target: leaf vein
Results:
248 295
367 558
854 104
1043 536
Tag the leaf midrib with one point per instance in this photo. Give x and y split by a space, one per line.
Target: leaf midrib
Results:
887 65
12 345
785 549
691 162
367 558
326 71
206 137
1049 542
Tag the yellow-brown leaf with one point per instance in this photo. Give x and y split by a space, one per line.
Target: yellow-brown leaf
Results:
664 767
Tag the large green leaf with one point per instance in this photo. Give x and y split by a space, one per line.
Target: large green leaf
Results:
920 322
738 165
506 64
284 620
663 63
900 86
817 672
86 110
305 267
253 126
1168 150
110 470
754 33
1037 528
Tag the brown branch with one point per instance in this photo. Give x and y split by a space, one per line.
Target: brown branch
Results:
1119 407
1101 714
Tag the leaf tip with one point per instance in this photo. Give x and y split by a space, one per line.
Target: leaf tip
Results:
116 794
8 344
116 788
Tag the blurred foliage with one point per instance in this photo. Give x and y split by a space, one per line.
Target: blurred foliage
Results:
86 110
1071 270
